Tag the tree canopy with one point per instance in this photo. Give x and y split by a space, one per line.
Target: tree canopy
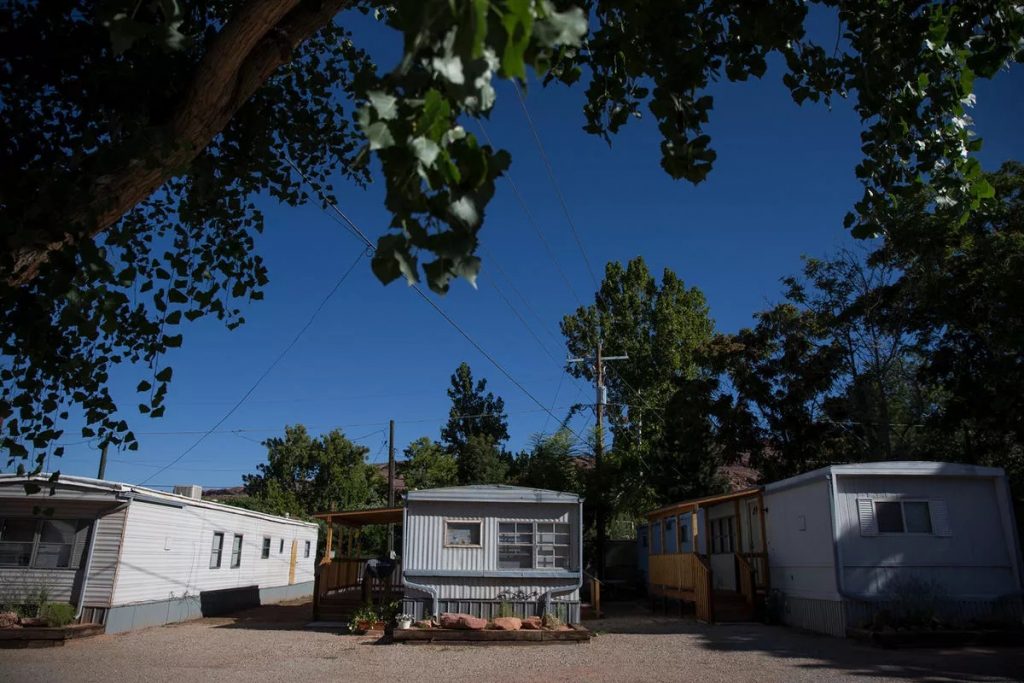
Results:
137 136
427 465
315 474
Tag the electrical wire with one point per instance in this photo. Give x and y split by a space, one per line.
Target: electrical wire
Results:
263 375
430 302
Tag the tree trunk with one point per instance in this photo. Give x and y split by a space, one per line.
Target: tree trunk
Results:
254 43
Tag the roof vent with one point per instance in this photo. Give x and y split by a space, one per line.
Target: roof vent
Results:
193 491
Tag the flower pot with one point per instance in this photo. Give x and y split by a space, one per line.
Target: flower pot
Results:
404 623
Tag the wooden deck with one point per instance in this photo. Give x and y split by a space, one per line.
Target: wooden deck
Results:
339 589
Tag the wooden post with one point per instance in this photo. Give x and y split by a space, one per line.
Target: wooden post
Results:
330 543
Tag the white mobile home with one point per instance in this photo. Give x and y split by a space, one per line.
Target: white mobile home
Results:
847 540
129 557
470 549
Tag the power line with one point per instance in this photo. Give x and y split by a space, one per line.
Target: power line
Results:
280 356
430 302
533 223
554 183
521 319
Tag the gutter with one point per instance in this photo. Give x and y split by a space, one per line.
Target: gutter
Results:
579 582
837 549
429 590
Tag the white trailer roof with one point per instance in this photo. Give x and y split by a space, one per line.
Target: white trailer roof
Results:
123 490
898 468
495 493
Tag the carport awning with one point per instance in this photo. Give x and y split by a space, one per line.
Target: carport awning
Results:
359 518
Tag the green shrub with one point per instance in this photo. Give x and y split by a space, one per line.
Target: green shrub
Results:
57 613
505 610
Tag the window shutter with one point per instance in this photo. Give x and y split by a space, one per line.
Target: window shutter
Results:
866 511
940 518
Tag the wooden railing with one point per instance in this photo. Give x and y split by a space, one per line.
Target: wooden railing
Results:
759 565
704 595
595 594
347 572
673 571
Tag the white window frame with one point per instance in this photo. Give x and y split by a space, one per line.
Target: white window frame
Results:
535 544
280 547
479 532
307 549
217 548
903 514
236 558
265 548
723 529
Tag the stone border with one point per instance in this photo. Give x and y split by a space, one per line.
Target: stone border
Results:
575 634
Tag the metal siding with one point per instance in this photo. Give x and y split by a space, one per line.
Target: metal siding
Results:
166 552
802 561
424 532
974 561
814 614
106 550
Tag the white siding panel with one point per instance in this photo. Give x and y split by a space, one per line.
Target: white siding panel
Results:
969 558
166 552
798 523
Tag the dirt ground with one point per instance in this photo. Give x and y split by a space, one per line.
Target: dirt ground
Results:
270 644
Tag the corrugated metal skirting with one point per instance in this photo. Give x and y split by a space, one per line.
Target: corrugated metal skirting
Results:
820 616
859 613
566 610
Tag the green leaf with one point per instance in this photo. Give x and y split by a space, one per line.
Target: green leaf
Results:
435 120
379 136
143 386
426 151
517 19
165 374
385 105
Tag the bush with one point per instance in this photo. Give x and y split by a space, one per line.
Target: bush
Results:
57 613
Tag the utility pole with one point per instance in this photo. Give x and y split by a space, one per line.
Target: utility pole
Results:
103 460
601 399
391 481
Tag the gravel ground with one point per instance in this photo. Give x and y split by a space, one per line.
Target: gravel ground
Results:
268 643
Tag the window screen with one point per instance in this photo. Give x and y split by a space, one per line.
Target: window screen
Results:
462 533
236 552
216 549
515 545
889 516
917 517
56 541
265 550
17 537
307 549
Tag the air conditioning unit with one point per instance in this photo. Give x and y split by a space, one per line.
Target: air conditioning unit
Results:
193 491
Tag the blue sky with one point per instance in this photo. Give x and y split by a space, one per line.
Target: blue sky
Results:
782 183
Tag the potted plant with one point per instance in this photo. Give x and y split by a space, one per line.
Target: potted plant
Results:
365 619
404 621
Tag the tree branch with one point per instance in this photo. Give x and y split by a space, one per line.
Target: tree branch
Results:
254 43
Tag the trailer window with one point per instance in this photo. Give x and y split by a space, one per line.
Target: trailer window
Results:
265 550
280 547
307 549
236 552
465 534
41 543
216 549
533 545
903 517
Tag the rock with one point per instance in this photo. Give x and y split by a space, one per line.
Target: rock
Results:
8 619
463 621
508 623
531 624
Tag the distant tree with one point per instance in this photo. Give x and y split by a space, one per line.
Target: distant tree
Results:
686 462
660 327
480 461
317 474
551 463
427 465
475 412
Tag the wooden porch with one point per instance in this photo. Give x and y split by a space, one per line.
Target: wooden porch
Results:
695 539
341 585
